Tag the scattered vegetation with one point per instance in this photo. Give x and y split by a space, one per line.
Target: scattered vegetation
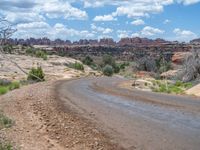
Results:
76 65
107 62
5 122
108 70
88 61
6 86
165 87
41 54
8 48
36 74
3 90
37 53
123 65
6 146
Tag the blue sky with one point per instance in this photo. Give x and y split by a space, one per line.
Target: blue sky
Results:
89 19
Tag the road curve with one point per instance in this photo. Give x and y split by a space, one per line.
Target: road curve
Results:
135 119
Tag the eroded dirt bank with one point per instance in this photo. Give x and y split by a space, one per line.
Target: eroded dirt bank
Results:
41 122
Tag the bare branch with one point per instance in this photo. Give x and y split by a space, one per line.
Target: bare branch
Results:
6 31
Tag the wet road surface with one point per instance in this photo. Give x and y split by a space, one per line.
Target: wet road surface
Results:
135 119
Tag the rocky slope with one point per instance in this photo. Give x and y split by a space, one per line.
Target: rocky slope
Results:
54 67
194 90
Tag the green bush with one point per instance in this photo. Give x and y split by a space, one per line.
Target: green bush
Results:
8 48
3 90
37 53
123 65
5 122
116 68
77 66
36 74
6 146
108 70
6 85
188 85
14 85
94 66
30 51
88 60
41 54
45 57
166 66
178 87
108 60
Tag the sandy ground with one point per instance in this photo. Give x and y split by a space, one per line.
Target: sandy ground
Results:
42 123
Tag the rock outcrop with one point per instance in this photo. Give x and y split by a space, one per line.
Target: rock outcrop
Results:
194 90
179 57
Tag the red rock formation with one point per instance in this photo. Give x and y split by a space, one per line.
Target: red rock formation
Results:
178 57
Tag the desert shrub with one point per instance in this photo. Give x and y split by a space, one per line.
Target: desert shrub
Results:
157 76
14 85
6 86
165 66
3 90
30 51
4 82
45 57
41 54
178 87
88 60
108 70
76 65
6 146
37 53
5 122
123 65
116 68
36 74
108 60
95 66
8 48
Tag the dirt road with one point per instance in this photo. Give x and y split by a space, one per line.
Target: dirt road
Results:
135 119
41 122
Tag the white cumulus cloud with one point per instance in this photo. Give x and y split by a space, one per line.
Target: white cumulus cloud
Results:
105 18
188 2
138 22
122 34
101 29
42 29
184 35
148 32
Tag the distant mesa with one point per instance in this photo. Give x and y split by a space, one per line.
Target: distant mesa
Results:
195 41
136 41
